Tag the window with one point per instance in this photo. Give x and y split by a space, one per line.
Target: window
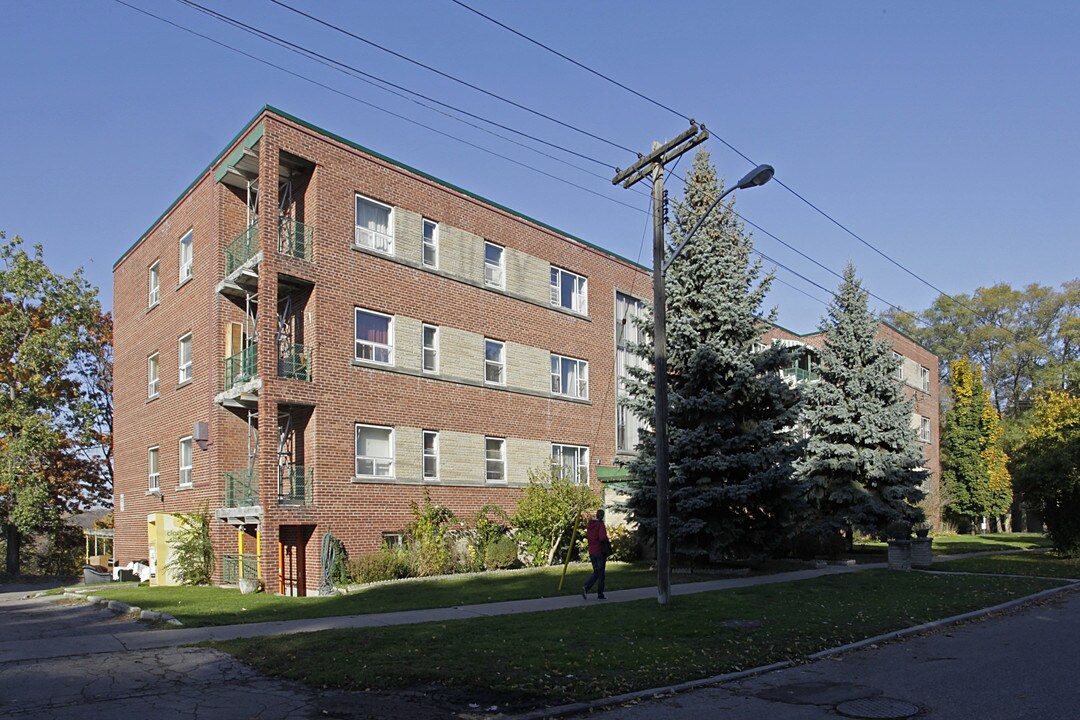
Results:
374 225
495 459
494 362
152 376
430 334
627 335
153 476
393 540
571 461
569 377
431 244
185 257
374 337
154 281
431 455
924 378
374 451
183 374
569 291
494 266
924 429
898 372
185 462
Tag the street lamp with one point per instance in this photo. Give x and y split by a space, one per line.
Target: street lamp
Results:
756 177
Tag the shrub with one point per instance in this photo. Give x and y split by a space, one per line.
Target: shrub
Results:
193 552
429 538
389 563
808 545
500 554
547 512
624 544
60 553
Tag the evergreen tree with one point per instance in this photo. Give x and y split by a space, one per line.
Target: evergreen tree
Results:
973 464
862 453
731 417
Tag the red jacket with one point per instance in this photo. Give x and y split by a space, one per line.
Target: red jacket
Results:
595 533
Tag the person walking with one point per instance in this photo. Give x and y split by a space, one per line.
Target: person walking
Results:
599 548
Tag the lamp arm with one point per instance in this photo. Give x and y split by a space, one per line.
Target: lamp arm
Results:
671 258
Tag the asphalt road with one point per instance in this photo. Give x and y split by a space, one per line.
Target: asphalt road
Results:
1020 665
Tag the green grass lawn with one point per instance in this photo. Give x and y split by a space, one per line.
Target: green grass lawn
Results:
600 650
205 606
1040 564
958 544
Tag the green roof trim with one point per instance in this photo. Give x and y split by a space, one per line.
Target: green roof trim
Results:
357 146
606 473
198 177
234 157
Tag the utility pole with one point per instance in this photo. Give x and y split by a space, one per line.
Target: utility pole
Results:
653 165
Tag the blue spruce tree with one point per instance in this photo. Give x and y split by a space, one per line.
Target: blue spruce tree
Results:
862 466
731 417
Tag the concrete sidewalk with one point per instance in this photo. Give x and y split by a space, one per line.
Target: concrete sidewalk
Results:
129 635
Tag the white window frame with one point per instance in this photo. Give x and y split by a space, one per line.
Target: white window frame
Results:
153 280
924 429
365 237
183 370
388 463
898 373
495 273
498 462
429 243
153 469
431 350
185 470
579 299
924 378
187 263
498 364
581 392
153 375
433 455
627 424
578 469
374 347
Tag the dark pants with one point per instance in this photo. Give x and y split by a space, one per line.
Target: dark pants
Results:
599 563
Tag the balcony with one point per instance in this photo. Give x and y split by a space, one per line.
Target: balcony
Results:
242 366
241 489
294 361
295 484
239 565
295 239
242 248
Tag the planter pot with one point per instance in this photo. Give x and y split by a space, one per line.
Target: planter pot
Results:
249 585
922 532
921 553
900 554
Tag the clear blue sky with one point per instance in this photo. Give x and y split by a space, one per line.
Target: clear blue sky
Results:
945 134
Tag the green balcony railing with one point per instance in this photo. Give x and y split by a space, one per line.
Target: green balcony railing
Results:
242 366
295 239
799 373
295 484
242 248
294 361
241 488
239 565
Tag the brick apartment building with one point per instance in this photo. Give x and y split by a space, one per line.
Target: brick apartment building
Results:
313 335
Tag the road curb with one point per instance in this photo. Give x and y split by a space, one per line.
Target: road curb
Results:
583 707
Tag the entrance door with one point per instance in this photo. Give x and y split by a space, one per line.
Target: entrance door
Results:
292 547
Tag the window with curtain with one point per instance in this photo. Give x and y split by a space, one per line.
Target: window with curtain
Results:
374 451
374 337
185 462
495 459
569 290
374 225
431 244
571 461
494 362
569 377
431 455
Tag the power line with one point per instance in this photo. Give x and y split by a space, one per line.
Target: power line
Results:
731 147
440 73
379 82
344 94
